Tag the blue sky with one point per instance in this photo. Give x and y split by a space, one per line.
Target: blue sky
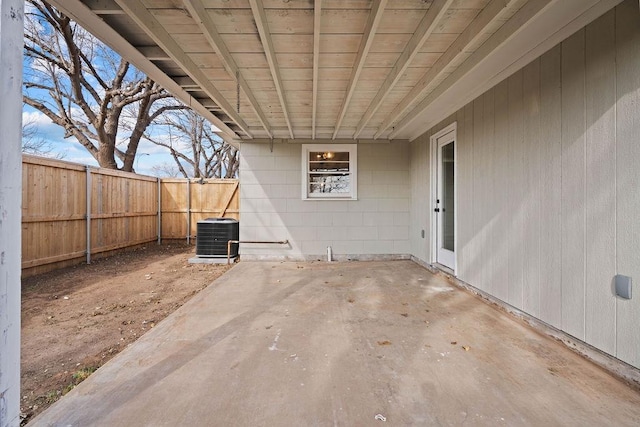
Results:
148 154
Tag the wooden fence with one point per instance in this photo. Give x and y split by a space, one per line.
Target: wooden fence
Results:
71 212
185 202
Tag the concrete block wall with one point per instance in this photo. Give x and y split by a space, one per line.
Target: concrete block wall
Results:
376 225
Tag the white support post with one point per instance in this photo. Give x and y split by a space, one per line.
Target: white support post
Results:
11 28
88 215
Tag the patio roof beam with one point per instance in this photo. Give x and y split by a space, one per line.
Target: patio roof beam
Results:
317 15
139 13
260 18
80 13
469 36
435 13
321 141
512 27
202 18
377 9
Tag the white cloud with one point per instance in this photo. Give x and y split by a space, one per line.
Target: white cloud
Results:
35 117
151 148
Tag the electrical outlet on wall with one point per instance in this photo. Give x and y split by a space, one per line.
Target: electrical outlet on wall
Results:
623 286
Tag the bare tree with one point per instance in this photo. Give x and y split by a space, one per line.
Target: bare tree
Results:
34 144
86 88
197 151
166 170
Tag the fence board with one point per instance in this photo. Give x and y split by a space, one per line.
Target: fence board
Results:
124 210
209 198
53 211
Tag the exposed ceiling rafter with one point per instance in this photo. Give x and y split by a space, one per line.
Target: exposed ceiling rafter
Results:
154 53
494 10
104 7
202 18
317 15
81 13
316 82
139 13
377 10
260 18
435 13
514 25
186 82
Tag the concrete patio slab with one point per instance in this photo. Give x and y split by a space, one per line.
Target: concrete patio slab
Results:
339 344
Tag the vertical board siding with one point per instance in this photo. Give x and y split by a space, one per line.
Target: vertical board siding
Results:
488 198
463 195
531 189
551 185
627 207
466 238
420 199
479 260
548 166
515 167
501 183
573 188
600 303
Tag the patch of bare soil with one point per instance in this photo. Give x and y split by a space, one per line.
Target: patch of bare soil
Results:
75 319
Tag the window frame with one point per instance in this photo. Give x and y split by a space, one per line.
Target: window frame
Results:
352 149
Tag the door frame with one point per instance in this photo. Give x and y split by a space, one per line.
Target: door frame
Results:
434 193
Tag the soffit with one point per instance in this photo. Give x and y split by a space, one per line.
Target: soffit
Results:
333 69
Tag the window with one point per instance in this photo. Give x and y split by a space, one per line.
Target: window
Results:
329 171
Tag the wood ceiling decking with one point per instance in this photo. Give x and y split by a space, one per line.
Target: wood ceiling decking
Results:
304 69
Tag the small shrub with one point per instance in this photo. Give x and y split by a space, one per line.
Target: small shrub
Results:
82 374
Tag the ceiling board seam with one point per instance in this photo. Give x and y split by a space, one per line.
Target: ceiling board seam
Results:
512 27
202 18
490 14
138 12
375 16
260 18
82 14
317 15
434 14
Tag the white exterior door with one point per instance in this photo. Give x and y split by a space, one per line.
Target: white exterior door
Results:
445 201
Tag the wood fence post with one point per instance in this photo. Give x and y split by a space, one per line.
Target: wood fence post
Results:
159 211
188 211
88 215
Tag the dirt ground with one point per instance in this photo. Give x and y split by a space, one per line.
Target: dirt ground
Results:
75 319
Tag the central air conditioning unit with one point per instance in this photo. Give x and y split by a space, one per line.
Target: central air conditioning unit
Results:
212 237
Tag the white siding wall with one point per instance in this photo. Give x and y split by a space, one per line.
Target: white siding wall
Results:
549 186
271 207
